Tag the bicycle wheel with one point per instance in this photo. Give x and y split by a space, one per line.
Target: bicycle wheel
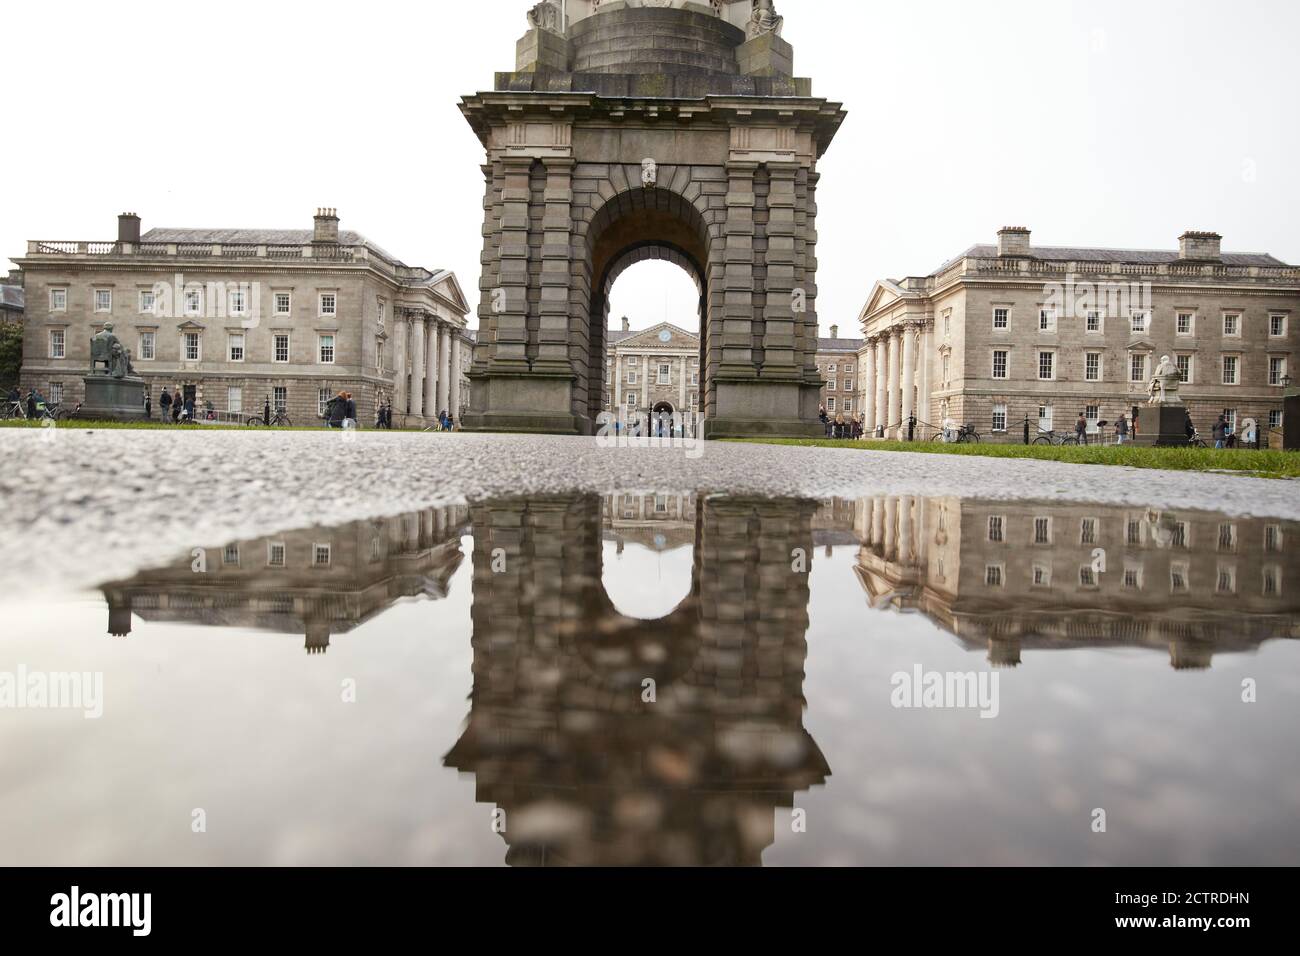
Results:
283 421
1073 442
974 438
253 422
1042 441
938 436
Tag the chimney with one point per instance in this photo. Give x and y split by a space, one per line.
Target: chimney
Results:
835 331
327 226
128 227
1013 241
627 325
1200 246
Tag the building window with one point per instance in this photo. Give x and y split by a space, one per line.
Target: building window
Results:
282 302
830 404
1273 538
1001 318
1088 531
58 343
193 302
1042 531
1186 323
1092 367
58 300
631 400
230 555
147 302
999 364
1272 580
323 396
56 392
1227 579
1133 577
695 378
1042 576
1274 418
329 303
1178 575
665 374
1137 368
1180 538
848 385
379 354
1139 322
280 398
945 367
148 346
1277 326
326 349
1230 370
235 346
997 529
103 300
280 348
320 555
1133 533
1087 577
631 376
1094 322
633 360
1232 323
831 385
238 302
234 399
1047 320
381 311
848 369
999 418
1276 370
1046 365
192 350
1230 415
1184 368
1227 537
993 575
1046 415
275 554
832 369
1092 414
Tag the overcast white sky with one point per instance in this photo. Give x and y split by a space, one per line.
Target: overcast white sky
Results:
1095 123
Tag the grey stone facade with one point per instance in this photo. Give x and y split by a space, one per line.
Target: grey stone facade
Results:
634 132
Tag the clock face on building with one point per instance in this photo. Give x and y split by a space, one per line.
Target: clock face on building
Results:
665 336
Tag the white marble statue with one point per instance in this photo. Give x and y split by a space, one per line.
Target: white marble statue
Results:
1164 384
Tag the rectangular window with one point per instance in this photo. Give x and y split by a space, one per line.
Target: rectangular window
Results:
1276 370
631 400
320 555
1227 579
280 398
192 347
999 364
56 392
329 303
234 399
238 302
1277 326
58 300
1184 368
1232 323
323 395
280 348
997 526
999 418
631 376
665 374
1273 538
1092 367
832 369
193 301
1088 531
1231 415
830 404
1227 537
1133 533
147 302
1137 368
831 385
230 555
1092 414
1042 531
1087 578
1272 580
1230 370
235 346
275 554
1046 365
148 346
1139 322
1274 418
633 360
1133 578
58 344
1046 415
993 575
1093 322
695 378
1001 318
848 385
848 368
1186 323
1178 575
382 311
1180 535
1042 576
282 303
326 349
103 300
1047 320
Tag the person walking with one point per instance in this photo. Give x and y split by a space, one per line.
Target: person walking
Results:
1220 433
336 411
1121 430
189 408
164 406
32 400
177 403
1081 429
349 411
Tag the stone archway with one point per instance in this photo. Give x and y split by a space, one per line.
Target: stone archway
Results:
637 132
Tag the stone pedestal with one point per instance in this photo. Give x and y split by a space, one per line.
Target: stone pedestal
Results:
111 399
1170 423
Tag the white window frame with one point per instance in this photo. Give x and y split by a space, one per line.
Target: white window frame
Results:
830 403
1236 333
1191 366
276 404
848 384
1101 322
152 302
1047 320
235 399
61 337
1049 417
1274 316
198 347
58 300
831 385
195 295
1191 323
664 374
237 302
271 554
1145 316
103 309
993 367
631 377
288 348
288 303
151 338
1236 370
1006 316
1101 359
997 529
996 569
1143 377
320 348
999 408
1041 353
56 393
333 298
1274 418
1282 371
321 550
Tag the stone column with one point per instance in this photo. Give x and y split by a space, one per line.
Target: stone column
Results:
616 388
449 376
432 379
417 367
909 379
891 528
923 373
401 329
868 372
882 380
895 410
451 364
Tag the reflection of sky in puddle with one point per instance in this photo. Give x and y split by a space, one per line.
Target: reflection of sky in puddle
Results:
773 691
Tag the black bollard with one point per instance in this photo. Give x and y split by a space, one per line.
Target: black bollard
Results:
911 428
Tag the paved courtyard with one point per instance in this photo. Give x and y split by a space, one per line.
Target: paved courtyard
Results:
74 500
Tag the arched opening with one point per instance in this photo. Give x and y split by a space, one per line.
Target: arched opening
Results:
639 226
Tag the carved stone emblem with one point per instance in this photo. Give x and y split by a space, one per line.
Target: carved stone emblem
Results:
649 173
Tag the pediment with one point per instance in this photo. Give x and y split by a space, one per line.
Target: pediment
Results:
652 338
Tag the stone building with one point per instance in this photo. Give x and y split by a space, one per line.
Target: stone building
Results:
237 317
11 297
654 371
1012 331
837 363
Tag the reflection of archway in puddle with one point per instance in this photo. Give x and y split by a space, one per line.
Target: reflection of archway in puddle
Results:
647 555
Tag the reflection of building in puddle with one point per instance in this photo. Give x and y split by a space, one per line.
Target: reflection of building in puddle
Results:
1030 575
315 582
561 736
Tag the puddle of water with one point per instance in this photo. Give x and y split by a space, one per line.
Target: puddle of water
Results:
666 679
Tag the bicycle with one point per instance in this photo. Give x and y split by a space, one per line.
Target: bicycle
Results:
964 435
279 420
13 411
1050 438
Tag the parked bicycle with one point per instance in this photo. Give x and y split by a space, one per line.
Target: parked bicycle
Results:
279 419
13 411
1051 438
963 435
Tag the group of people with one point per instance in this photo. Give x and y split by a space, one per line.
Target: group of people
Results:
1222 433
341 411
172 406
33 404
839 426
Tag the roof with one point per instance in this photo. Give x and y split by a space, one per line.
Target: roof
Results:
286 237
840 345
1082 254
11 296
